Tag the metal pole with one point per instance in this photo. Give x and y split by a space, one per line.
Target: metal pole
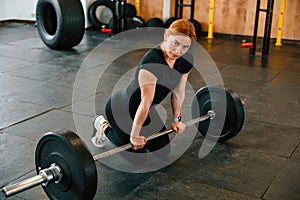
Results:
268 27
119 16
211 19
180 9
176 8
254 39
123 16
138 7
115 28
192 10
280 23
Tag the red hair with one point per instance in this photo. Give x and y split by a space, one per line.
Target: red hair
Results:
182 26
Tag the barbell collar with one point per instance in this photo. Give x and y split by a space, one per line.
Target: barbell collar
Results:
53 173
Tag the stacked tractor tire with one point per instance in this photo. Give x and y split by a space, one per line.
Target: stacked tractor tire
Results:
61 24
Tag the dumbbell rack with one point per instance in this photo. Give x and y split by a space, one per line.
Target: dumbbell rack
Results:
179 4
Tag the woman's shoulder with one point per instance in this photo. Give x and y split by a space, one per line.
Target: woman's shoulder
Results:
188 57
154 55
185 63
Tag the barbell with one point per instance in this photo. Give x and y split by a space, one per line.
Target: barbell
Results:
67 170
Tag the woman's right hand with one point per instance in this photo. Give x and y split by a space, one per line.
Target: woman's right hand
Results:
138 142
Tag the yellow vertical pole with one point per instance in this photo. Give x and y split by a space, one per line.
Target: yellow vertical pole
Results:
211 19
280 23
138 7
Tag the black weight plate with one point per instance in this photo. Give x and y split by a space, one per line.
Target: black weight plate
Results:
130 10
139 21
198 28
66 149
169 21
155 22
228 108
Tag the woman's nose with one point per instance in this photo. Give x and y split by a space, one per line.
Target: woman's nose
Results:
178 50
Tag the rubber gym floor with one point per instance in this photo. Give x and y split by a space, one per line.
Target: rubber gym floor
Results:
261 162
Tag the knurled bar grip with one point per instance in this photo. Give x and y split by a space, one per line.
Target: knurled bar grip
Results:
210 115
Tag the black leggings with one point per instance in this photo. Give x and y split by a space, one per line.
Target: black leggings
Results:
120 126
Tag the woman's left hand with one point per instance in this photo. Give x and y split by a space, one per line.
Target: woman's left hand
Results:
178 127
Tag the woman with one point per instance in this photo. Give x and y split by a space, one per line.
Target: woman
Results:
163 70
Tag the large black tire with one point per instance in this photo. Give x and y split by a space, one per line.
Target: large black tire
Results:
105 15
60 23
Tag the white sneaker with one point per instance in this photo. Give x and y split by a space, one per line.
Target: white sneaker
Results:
99 138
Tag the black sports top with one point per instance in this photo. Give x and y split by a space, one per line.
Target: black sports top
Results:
167 78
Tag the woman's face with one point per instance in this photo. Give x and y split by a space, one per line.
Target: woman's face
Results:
176 45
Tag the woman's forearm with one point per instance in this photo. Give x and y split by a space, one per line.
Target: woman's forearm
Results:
177 101
139 119
147 84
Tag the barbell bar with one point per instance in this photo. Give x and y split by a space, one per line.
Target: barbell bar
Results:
54 172
210 115
61 157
